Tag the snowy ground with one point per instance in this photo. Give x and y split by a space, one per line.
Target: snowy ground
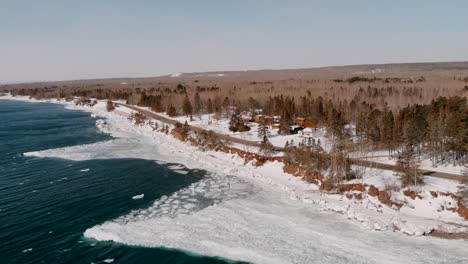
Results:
208 121
425 163
261 214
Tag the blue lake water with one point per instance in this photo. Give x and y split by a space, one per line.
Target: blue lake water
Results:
46 204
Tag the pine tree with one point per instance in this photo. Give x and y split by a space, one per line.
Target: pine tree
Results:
187 107
209 106
171 111
110 106
233 123
387 131
407 166
286 145
284 128
374 126
185 129
264 135
236 124
336 123
197 103
361 127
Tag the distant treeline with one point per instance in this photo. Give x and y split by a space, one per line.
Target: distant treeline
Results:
387 113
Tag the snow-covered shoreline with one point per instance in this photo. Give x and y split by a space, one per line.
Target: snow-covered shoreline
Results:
272 212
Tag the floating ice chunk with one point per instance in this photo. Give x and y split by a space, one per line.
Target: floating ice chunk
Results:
27 250
85 170
139 196
181 171
108 260
176 167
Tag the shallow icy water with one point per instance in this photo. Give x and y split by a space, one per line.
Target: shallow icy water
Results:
46 204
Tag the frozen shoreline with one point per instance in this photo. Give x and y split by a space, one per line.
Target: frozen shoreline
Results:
279 219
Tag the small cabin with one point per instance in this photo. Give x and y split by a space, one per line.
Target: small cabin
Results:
264 119
258 118
305 122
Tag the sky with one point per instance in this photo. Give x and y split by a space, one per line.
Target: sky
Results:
83 39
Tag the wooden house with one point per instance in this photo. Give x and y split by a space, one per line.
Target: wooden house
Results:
264 119
305 122
259 118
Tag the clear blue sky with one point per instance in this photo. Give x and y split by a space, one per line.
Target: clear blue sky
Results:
64 39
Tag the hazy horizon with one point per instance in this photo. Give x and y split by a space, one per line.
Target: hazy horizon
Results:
229 70
59 40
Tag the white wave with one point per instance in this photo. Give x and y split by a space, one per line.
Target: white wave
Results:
85 170
108 260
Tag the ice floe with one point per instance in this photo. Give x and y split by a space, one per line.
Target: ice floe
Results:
139 196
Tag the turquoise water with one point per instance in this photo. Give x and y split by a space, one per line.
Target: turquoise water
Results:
47 204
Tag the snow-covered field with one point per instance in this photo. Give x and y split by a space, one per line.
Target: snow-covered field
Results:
263 215
424 163
208 121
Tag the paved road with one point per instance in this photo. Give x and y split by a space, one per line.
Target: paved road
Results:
361 162
197 129
437 174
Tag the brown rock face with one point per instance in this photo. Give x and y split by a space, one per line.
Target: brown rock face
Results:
358 187
309 176
384 198
177 135
455 197
357 196
326 186
342 188
434 194
259 162
411 194
462 211
313 177
373 191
